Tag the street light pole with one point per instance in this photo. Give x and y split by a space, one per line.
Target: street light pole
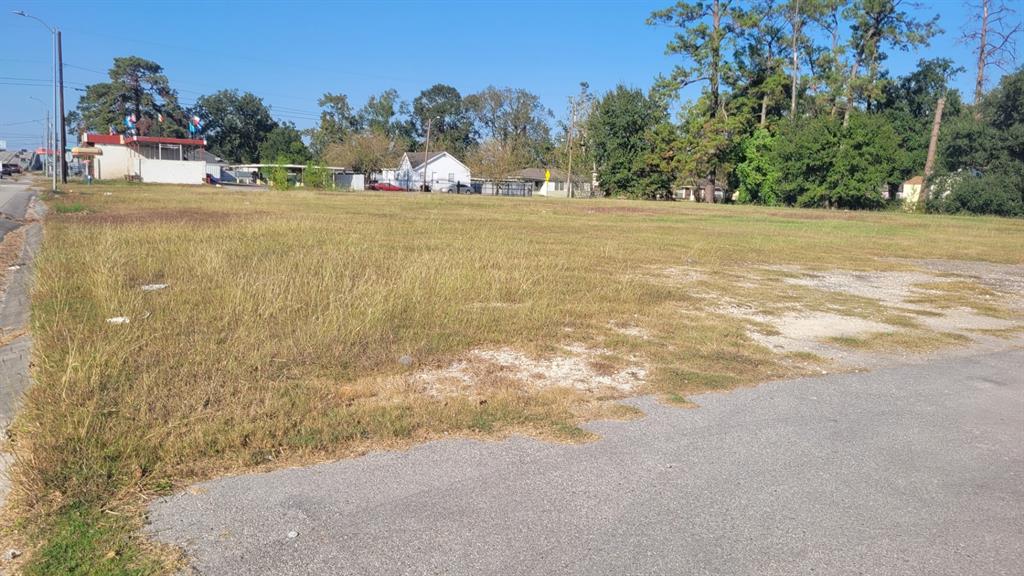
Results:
53 51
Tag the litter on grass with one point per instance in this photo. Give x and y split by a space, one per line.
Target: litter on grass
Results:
118 320
153 287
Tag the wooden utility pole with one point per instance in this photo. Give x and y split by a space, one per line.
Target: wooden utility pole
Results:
572 128
426 154
63 126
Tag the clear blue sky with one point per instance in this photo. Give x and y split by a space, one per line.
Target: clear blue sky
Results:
291 53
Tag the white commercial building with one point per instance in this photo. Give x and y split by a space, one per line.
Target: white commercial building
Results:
146 158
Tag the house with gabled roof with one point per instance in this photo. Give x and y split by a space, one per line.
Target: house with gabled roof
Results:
441 171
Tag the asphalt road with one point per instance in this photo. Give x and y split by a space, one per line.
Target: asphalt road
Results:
916 469
14 312
14 200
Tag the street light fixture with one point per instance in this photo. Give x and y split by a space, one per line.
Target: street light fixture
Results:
53 48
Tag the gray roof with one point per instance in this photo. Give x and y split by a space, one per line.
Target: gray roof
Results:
416 158
211 158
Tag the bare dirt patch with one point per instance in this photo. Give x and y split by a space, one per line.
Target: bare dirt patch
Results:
1005 278
900 311
577 367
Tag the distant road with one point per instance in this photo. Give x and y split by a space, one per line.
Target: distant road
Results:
915 469
14 199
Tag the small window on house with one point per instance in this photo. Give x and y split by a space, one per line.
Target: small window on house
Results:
559 186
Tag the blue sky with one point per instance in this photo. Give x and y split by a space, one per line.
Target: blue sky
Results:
291 53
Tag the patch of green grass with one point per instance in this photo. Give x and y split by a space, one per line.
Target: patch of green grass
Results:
83 541
69 207
902 340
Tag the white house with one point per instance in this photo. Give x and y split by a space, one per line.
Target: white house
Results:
146 158
442 171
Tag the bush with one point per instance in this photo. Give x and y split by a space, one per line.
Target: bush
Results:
1000 193
316 176
278 175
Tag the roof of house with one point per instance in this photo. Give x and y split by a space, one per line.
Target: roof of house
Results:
915 180
416 158
211 158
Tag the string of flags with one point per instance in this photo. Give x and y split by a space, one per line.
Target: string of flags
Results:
195 124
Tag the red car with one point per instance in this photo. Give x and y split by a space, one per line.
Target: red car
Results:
385 186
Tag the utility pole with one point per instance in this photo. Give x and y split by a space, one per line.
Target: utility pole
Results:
63 126
572 128
426 154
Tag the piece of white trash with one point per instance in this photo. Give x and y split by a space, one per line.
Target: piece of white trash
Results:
13 267
293 534
152 287
118 320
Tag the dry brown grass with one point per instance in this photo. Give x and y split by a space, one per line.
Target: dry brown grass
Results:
279 337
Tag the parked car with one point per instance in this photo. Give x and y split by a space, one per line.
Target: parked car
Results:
9 169
385 186
459 188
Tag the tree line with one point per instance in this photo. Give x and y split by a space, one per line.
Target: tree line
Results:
794 106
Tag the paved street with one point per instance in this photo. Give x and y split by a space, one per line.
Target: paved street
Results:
915 469
14 199
14 312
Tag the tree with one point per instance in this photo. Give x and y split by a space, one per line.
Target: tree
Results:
337 121
515 118
828 64
947 70
759 63
137 86
368 152
380 112
758 175
821 163
994 38
492 159
622 129
284 145
235 124
706 30
877 24
983 158
909 103
450 124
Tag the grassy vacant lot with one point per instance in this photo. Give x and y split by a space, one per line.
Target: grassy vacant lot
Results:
279 337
